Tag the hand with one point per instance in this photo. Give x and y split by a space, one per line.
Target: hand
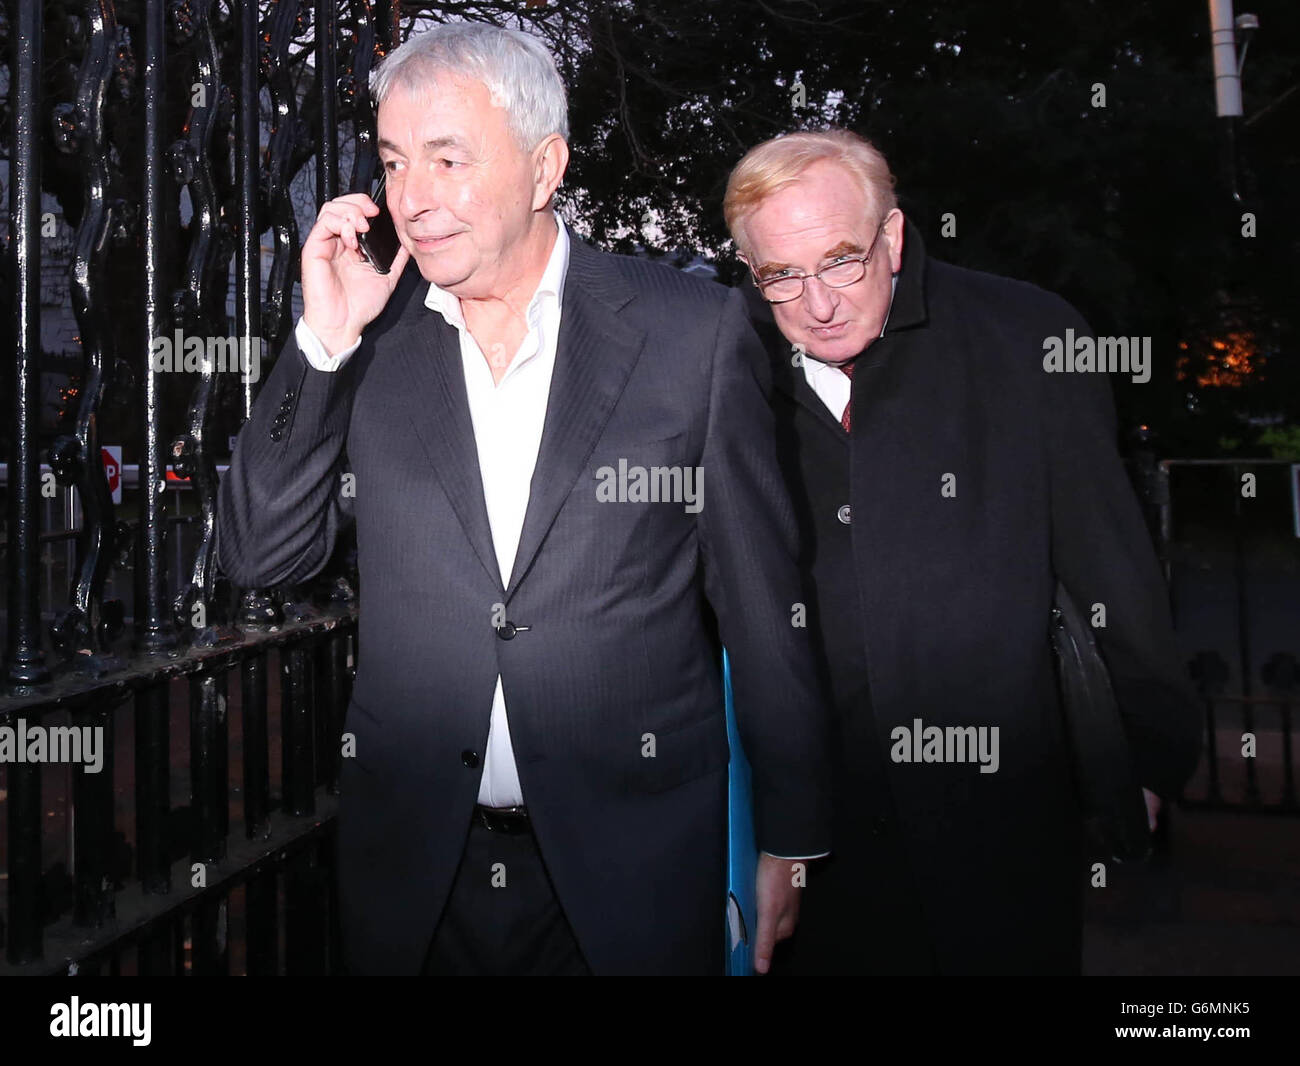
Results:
1153 808
778 904
341 292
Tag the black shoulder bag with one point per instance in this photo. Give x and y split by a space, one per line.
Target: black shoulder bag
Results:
1113 808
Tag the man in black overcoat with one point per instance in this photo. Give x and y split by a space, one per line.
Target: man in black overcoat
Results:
944 481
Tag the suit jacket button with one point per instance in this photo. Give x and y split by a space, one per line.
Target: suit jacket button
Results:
507 631
469 758
844 514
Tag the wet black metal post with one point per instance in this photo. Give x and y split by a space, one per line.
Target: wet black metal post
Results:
153 628
92 804
210 814
209 766
261 925
307 913
24 657
1209 673
257 770
331 708
298 778
153 807
248 272
327 148
25 663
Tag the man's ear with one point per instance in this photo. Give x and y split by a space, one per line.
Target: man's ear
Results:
550 161
894 235
745 258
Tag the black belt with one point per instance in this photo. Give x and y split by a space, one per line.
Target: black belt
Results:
512 820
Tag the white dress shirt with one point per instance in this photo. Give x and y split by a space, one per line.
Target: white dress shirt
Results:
507 418
832 386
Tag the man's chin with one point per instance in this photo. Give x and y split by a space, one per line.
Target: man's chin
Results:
839 351
435 269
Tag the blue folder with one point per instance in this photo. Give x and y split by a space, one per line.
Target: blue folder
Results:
741 919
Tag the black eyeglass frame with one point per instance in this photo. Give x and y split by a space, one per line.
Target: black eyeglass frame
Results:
861 260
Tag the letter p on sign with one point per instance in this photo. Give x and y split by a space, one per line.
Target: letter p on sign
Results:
111 456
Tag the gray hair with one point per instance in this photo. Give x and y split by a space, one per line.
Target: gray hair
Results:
515 67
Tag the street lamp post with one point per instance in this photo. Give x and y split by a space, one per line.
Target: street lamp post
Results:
1228 62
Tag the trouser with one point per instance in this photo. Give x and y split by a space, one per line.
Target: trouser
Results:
503 917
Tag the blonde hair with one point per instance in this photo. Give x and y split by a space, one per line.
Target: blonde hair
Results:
771 166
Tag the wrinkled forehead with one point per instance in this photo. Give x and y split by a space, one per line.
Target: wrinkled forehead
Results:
444 102
425 82
823 213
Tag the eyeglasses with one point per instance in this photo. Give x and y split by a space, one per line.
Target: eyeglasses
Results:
845 271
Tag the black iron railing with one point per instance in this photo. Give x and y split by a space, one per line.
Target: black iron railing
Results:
1235 588
203 841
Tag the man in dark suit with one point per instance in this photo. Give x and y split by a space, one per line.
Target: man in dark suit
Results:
944 481
539 780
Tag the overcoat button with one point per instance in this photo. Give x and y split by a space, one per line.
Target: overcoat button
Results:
844 515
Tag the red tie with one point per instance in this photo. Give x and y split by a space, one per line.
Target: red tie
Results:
844 420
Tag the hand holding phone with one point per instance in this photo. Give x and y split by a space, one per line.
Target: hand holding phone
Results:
343 288
379 244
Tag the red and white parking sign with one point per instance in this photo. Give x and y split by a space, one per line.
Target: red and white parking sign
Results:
111 456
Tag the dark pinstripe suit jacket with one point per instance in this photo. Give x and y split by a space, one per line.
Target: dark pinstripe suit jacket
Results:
655 368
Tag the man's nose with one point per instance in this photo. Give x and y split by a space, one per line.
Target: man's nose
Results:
417 195
818 300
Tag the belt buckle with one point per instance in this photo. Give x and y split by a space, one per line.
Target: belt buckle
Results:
511 820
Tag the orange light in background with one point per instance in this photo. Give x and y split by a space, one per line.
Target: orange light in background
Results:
1230 361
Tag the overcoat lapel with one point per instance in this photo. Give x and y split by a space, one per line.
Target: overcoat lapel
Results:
791 380
905 331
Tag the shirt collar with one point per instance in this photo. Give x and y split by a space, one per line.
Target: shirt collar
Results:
550 287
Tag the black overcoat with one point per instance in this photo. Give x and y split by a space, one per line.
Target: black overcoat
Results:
932 539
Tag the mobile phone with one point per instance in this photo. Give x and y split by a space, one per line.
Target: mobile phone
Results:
379 244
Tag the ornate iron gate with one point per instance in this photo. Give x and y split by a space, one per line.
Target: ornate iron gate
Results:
165 123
